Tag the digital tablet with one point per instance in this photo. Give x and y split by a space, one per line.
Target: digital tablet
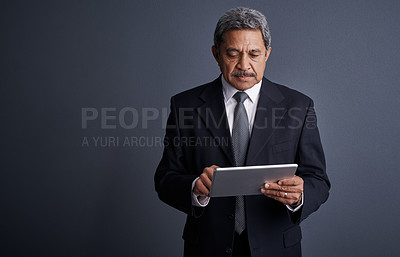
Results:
247 180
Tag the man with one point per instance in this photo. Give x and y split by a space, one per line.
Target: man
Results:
242 119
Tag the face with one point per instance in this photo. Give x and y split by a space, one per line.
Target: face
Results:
242 57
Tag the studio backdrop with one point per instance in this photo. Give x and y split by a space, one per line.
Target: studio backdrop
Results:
85 89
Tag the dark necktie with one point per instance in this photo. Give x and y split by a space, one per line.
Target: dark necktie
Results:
240 141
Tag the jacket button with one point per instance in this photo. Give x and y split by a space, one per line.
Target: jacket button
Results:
228 250
231 216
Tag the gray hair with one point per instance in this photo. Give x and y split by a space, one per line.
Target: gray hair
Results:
241 18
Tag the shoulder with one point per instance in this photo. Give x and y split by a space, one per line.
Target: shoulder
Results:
194 95
286 93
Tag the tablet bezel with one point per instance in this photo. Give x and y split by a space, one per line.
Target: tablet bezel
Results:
248 180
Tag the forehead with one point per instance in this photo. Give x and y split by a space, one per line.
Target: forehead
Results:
240 38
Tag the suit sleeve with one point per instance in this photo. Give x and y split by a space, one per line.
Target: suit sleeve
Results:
312 168
173 181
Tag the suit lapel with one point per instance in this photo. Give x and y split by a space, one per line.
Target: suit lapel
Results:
213 115
269 108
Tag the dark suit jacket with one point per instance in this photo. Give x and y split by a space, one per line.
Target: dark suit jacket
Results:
197 136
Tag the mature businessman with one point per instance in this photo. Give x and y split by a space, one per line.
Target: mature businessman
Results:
241 119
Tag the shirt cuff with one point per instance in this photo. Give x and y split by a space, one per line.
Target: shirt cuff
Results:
296 208
201 201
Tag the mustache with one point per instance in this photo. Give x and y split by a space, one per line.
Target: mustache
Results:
242 73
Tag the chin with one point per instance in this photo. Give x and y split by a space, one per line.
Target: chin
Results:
244 86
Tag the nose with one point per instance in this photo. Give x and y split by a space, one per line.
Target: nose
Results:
244 63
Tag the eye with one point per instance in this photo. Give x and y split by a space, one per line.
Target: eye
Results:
254 54
232 53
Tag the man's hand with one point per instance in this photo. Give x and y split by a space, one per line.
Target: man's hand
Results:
287 191
203 184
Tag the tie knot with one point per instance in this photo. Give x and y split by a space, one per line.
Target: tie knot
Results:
240 96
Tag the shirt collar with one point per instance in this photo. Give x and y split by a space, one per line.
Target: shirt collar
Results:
229 90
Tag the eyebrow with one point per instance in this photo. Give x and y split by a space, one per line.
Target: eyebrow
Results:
232 50
237 50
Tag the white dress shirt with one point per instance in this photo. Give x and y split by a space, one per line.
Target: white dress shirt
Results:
250 104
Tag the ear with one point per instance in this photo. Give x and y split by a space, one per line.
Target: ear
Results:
215 53
267 53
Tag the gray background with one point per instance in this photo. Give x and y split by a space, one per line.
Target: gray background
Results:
59 198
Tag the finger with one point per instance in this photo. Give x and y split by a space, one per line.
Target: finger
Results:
288 198
272 185
285 200
281 194
205 180
210 171
292 197
293 181
277 187
200 189
208 174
